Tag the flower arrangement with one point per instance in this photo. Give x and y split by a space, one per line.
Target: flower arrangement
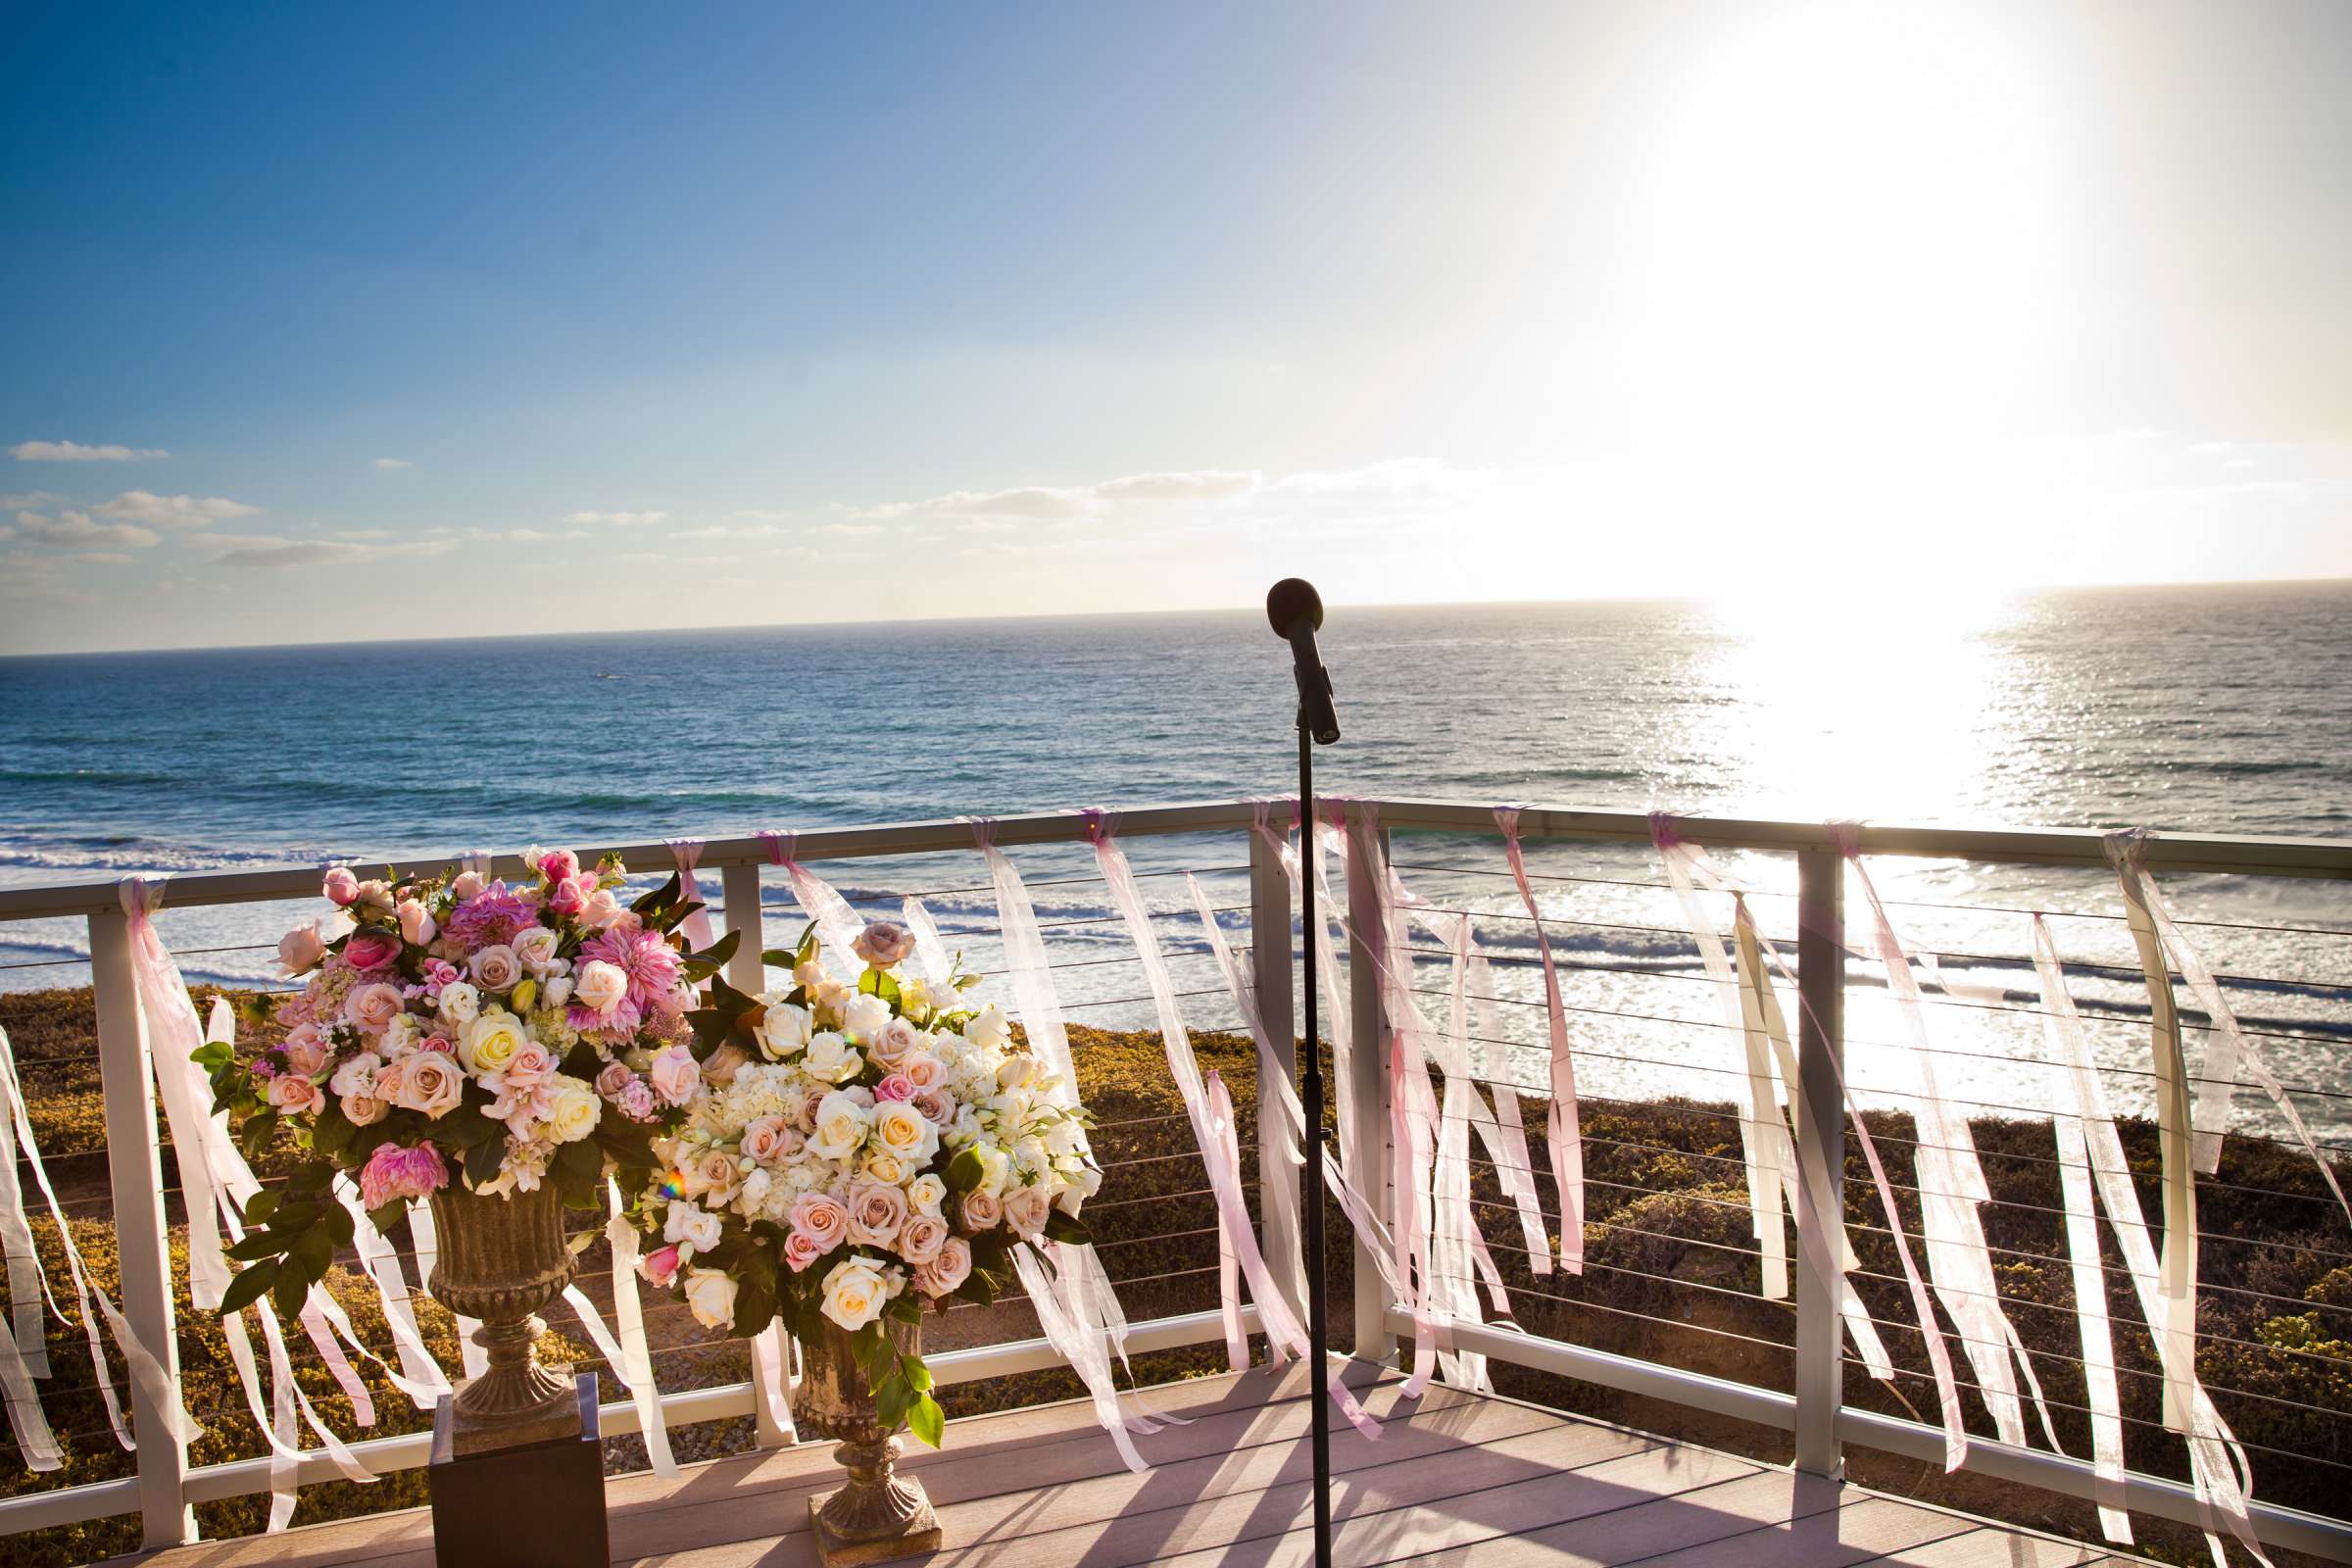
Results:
460 1029
860 1151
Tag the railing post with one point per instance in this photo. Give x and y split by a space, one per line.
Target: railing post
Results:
747 971
1821 1155
134 1165
1368 1078
1270 977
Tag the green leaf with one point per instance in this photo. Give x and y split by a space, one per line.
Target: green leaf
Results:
1060 1226
331 1131
482 1162
257 1246
719 952
312 1251
661 897
214 1055
917 1375
780 958
290 1291
384 1217
964 1171
926 1420
980 1286
258 1208
339 1226
247 1288
891 1399
575 1169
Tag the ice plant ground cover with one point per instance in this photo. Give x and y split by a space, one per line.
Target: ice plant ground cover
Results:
462 1029
856 1152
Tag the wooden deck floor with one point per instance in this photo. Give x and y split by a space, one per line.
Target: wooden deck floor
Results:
1454 1479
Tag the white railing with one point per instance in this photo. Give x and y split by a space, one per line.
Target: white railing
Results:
1814 1409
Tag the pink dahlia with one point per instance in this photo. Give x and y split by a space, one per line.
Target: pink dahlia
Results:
651 964
491 916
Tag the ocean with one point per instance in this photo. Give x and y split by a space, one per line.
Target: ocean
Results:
2209 708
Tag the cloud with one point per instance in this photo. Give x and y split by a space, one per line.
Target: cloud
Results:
391 464
171 511
289 553
75 530
27 499
617 519
75 451
1036 503
1207 484
246 552
752 530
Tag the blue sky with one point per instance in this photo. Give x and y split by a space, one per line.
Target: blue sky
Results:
754 314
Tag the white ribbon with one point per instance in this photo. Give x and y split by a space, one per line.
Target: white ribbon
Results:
19 1365
1563 1131
628 1353
837 924
688 852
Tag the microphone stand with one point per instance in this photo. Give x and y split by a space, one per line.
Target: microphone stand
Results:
1310 1098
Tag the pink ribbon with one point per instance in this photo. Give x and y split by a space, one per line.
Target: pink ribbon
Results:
1562 1130
688 852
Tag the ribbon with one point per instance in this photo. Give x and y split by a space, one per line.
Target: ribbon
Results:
628 1353
930 953
1562 1132
837 924
1687 865
2218 1465
688 852
1031 976
1327 966
23 1353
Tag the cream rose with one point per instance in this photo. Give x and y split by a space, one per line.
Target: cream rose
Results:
689 1225
831 1059
1026 1210
840 1126
864 1019
535 949
710 1296
987 1028
573 1111
784 1029
371 1008
855 1293
600 986
460 1003
676 1075
718 1175
300 951
490 1041
902 1130
362 1110
982 1210
895 1040
766 1142
925 1193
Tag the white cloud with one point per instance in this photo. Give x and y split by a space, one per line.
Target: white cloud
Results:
270 552
1207 484
75 451
617 519
391 464
754 530
283 553
171 511
73 529
1036 502
28 498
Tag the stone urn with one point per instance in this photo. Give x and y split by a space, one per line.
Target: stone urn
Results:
879 1515
502 1258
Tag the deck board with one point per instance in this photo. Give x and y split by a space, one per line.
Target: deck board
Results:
1453 1478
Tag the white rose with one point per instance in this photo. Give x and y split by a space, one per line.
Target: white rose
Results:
926 1192
1016 1071
573 1111
904 1131
841 1124
831 1059
711 1295
490 1041
809 973
996 1167
855 1293
864 1017
988 1028
600 986
689 1225
784 1029
460 1003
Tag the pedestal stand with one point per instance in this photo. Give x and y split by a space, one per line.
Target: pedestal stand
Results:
533 1506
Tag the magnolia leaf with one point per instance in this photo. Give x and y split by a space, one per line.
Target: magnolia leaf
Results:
926 1420
247 1288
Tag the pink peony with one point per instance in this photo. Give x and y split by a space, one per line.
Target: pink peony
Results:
394 1173
342 887
882 944
897 1086
372 949
820 1218
660 1265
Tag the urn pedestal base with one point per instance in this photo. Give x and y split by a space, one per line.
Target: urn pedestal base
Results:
531 1506
919 1539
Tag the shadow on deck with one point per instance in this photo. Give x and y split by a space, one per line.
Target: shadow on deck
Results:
1455 1478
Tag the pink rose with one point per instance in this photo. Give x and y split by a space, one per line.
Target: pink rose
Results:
441 1043
723 1064
441 972
894 1041
716 1176
375 897
496 968
675 1074
431 1084
342 887
558 866
305 1055
466 885
372 949
799 1251
764 1141
921 1239
565 897
371 1008
1026 1210
982 1210
660 1265
897 1086
300 951
877 1214
613 1079
922 1069
883 943
948 1270
295 1095
806 1117
364 1111
602 909
417 925
393 1173
937 1106
822 1219
531 1066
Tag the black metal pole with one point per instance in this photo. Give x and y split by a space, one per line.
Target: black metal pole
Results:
1310 1178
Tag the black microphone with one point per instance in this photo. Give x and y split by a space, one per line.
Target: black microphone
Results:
1297 611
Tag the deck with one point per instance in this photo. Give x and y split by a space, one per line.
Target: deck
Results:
1455 1478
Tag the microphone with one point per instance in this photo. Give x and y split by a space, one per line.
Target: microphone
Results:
1297 611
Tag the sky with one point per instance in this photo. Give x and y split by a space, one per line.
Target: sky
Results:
324 322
